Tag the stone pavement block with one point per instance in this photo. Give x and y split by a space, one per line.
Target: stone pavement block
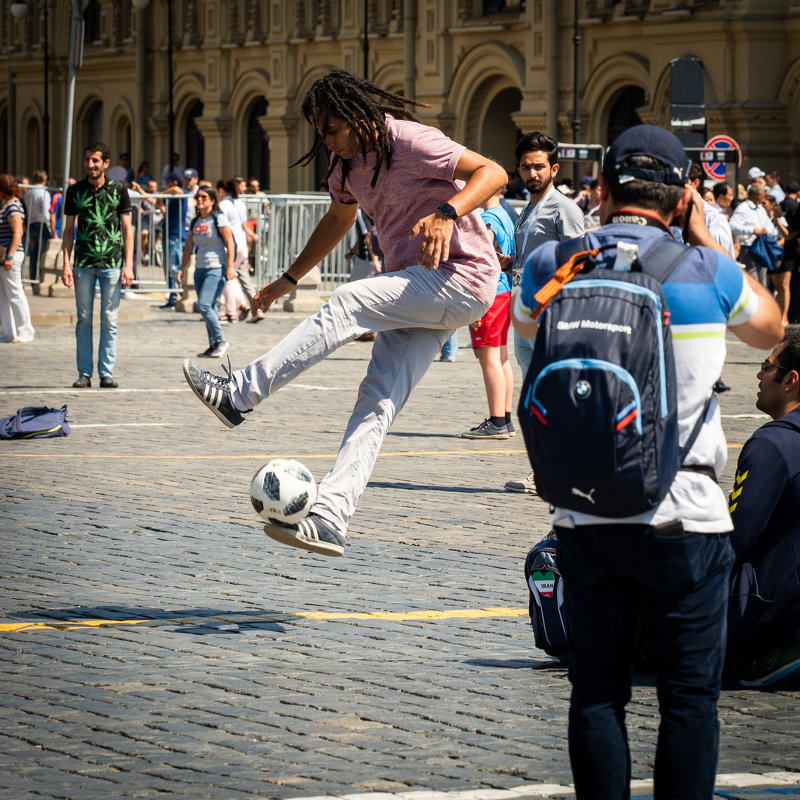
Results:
221 685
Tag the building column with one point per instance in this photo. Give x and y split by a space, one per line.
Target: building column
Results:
216 138
284 150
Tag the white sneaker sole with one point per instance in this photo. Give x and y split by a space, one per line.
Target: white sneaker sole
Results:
294 538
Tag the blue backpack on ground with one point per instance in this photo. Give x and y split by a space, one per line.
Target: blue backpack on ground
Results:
598 408
546 601
35 422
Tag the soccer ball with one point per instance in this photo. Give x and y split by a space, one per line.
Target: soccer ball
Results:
283 490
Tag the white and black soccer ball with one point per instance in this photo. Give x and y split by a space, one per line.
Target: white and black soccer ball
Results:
283 490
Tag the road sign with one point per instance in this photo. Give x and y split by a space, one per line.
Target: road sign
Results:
715 167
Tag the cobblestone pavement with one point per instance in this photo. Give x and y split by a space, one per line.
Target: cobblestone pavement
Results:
154 643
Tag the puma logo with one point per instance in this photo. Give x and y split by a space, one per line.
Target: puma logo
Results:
585 495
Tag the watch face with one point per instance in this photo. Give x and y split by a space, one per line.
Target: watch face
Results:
448 211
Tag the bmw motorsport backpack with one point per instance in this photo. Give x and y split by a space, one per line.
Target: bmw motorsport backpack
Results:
546 601
598 408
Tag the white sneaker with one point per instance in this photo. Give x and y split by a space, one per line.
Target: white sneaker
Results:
219 349
528 485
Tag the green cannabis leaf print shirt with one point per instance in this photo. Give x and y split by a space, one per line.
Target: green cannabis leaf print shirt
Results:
99 238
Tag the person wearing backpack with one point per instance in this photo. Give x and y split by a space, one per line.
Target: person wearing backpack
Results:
656 550
210 233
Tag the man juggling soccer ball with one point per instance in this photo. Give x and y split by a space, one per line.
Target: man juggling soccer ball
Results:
423 191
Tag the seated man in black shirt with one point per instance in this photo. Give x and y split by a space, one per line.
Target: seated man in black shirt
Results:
764 611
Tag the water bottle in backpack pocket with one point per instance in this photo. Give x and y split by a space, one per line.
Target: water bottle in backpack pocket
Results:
546 601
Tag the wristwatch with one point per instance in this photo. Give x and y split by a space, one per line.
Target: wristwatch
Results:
448 211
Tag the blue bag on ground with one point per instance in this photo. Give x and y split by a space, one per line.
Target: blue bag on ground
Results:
598 408
546 601
35 422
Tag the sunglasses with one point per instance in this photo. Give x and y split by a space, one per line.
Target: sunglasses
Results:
765 365
202 194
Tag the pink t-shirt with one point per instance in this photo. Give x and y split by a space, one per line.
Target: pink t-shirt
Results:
418 181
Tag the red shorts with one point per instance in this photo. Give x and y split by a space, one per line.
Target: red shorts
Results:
492 330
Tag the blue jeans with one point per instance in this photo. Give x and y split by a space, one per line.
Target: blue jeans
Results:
450 347
523 352
175 252
110 284
209 284
615 575
38 237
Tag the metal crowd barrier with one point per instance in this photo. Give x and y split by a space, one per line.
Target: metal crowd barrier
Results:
282 224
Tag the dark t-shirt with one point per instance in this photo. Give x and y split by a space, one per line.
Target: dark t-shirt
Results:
791 213
99 240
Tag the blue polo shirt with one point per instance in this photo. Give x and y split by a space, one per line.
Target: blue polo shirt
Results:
705 294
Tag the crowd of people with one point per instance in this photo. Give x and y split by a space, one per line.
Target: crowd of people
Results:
692 569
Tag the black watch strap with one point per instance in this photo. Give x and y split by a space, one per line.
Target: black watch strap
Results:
448 211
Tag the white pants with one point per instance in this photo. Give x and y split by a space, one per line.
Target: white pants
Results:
413 313
15 315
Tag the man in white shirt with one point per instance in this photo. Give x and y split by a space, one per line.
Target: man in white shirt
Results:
723 197
37 207
774 183
716 223
749 220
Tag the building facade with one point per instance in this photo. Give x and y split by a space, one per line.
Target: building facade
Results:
489 69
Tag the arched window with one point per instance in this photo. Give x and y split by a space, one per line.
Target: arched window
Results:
123 143
257 145
91 22
92 127
33 146
623 113
499 134
195 144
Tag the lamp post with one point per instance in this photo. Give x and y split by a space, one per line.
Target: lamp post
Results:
576 120
366 40
140 5
19 11
75 61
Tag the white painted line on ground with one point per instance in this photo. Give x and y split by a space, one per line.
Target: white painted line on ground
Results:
124 425
735 780
109 392
744 416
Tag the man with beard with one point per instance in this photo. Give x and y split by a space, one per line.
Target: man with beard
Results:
764 609
549 217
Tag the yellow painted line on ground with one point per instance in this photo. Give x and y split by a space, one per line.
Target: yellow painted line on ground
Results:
298 456
247 619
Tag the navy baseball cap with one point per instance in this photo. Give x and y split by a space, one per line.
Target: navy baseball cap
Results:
652 141
190 173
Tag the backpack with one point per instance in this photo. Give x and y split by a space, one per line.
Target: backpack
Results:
546 600
598 407
35 422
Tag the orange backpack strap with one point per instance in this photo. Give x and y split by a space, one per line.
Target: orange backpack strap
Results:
579 255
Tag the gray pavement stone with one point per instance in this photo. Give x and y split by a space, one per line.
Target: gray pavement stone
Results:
224 689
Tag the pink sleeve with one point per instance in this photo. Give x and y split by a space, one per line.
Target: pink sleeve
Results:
435 155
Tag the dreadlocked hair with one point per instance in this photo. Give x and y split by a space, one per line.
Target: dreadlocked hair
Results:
363 106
